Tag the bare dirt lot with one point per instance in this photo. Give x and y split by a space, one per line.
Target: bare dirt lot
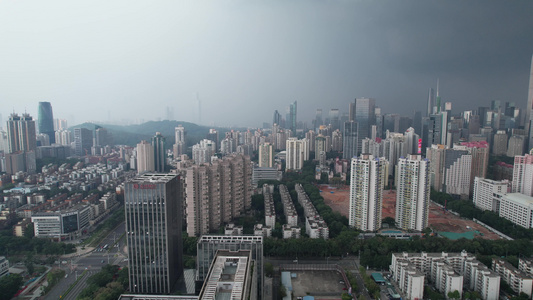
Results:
336 198
439 219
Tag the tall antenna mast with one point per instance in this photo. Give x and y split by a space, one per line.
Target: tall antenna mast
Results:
199 109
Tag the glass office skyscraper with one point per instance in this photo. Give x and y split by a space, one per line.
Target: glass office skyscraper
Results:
153 210
45 120
364 115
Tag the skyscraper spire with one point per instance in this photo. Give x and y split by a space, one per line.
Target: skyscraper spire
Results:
438 97
431 102
437 87
529 107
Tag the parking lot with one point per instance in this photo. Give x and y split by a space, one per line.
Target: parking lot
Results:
325 284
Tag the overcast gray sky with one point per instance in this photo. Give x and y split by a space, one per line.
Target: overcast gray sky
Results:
129 60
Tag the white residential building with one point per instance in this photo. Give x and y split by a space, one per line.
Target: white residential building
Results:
518 280
526 265
270 209
145 157
297 153
202 152
447 271
410 281
484 190
232 229
435 154
517 208
291 232
266 155
368 177
289 210
523 175
4 266
261 230
445 278
457 171
412 196
315 226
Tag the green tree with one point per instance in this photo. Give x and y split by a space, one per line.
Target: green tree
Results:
346 296
282 292
101 278
123 277
454 295
522 296
55 276
390 221
29 265
269 269
28 232
112 291
189 262
9 285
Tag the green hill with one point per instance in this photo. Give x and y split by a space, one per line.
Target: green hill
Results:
131 135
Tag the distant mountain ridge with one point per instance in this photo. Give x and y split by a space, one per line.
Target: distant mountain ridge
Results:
131 135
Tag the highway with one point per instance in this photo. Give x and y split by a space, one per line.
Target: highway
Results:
91 262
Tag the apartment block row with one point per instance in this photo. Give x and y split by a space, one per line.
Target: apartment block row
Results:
290 229
517 279
270 213
270 208
315 226
216 192
288 206
448 272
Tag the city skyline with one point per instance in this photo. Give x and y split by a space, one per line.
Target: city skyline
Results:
244 60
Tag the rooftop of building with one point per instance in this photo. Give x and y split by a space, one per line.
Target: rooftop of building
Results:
476 144
431 254
227 276
520 199
153 178
230 239
507 265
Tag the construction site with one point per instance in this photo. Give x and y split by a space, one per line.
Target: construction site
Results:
441 221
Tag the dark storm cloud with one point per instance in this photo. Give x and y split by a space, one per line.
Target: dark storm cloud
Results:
459 36
122 60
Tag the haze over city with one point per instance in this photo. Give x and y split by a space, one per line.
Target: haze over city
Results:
126 62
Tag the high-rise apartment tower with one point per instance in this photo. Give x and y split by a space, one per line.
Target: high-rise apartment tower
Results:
412 193
368 178
21 133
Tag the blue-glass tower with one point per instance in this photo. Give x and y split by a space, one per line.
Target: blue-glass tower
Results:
45 120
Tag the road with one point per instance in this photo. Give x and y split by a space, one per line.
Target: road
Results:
92 263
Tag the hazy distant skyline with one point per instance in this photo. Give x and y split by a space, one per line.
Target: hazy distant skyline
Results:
130 60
